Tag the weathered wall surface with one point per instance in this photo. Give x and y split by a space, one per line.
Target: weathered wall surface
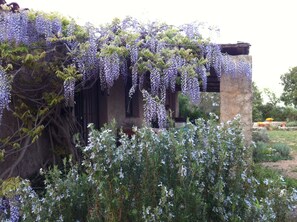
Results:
116 107
236 98
24 161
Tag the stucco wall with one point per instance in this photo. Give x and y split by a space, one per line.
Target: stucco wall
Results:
236 98
116 107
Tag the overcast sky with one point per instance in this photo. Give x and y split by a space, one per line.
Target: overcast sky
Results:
269 26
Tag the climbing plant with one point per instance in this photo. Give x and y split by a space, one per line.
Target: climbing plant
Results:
45 59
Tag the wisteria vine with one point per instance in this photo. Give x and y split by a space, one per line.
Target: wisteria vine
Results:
163 54
4 92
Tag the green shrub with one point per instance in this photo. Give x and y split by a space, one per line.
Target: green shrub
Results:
260 136
264 152
292 124
278 187
200 172
283 150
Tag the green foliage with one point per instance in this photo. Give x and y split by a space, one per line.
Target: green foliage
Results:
273 99
290 114
278 185
188 110
257 103
264 152
292 124
195 111
281 136
196 173
260 136
36 73
9 187
68 194
289 81
68 73
272 108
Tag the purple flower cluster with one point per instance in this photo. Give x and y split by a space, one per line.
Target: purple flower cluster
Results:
184 80
9 210
238 66
14 27
150 107
190 87
43 26
18 28
154 110
102 74
229 65
134 74
57 26
152 42
170 74
133 53
161 115
4 92
69 86
201 70
214 58
160 46
191 30
166 60
107 71
89 60
245 68
155 81
111 69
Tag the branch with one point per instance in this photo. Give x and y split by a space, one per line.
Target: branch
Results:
8 172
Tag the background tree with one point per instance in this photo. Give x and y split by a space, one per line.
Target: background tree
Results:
289 81
272 97
257 103
271 108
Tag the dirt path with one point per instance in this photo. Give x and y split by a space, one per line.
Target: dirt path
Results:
286 167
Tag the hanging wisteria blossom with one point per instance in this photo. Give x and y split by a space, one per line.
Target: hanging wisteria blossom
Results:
156 56
4 92
69 86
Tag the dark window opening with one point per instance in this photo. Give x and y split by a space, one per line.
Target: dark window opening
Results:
131 103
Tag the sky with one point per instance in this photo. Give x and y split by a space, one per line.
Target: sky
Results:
268 25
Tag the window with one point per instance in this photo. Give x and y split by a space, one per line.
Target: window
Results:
131 104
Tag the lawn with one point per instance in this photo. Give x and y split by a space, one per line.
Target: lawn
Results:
287 137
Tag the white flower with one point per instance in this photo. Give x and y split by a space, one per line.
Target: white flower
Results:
282 192
183 171
121 174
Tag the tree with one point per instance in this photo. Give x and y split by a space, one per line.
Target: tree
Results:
273 99
289 81
257 103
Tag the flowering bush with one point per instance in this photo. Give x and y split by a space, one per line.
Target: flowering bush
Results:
200 172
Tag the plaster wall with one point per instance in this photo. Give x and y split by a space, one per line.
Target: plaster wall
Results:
116 107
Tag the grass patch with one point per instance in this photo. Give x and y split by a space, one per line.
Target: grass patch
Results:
287 137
